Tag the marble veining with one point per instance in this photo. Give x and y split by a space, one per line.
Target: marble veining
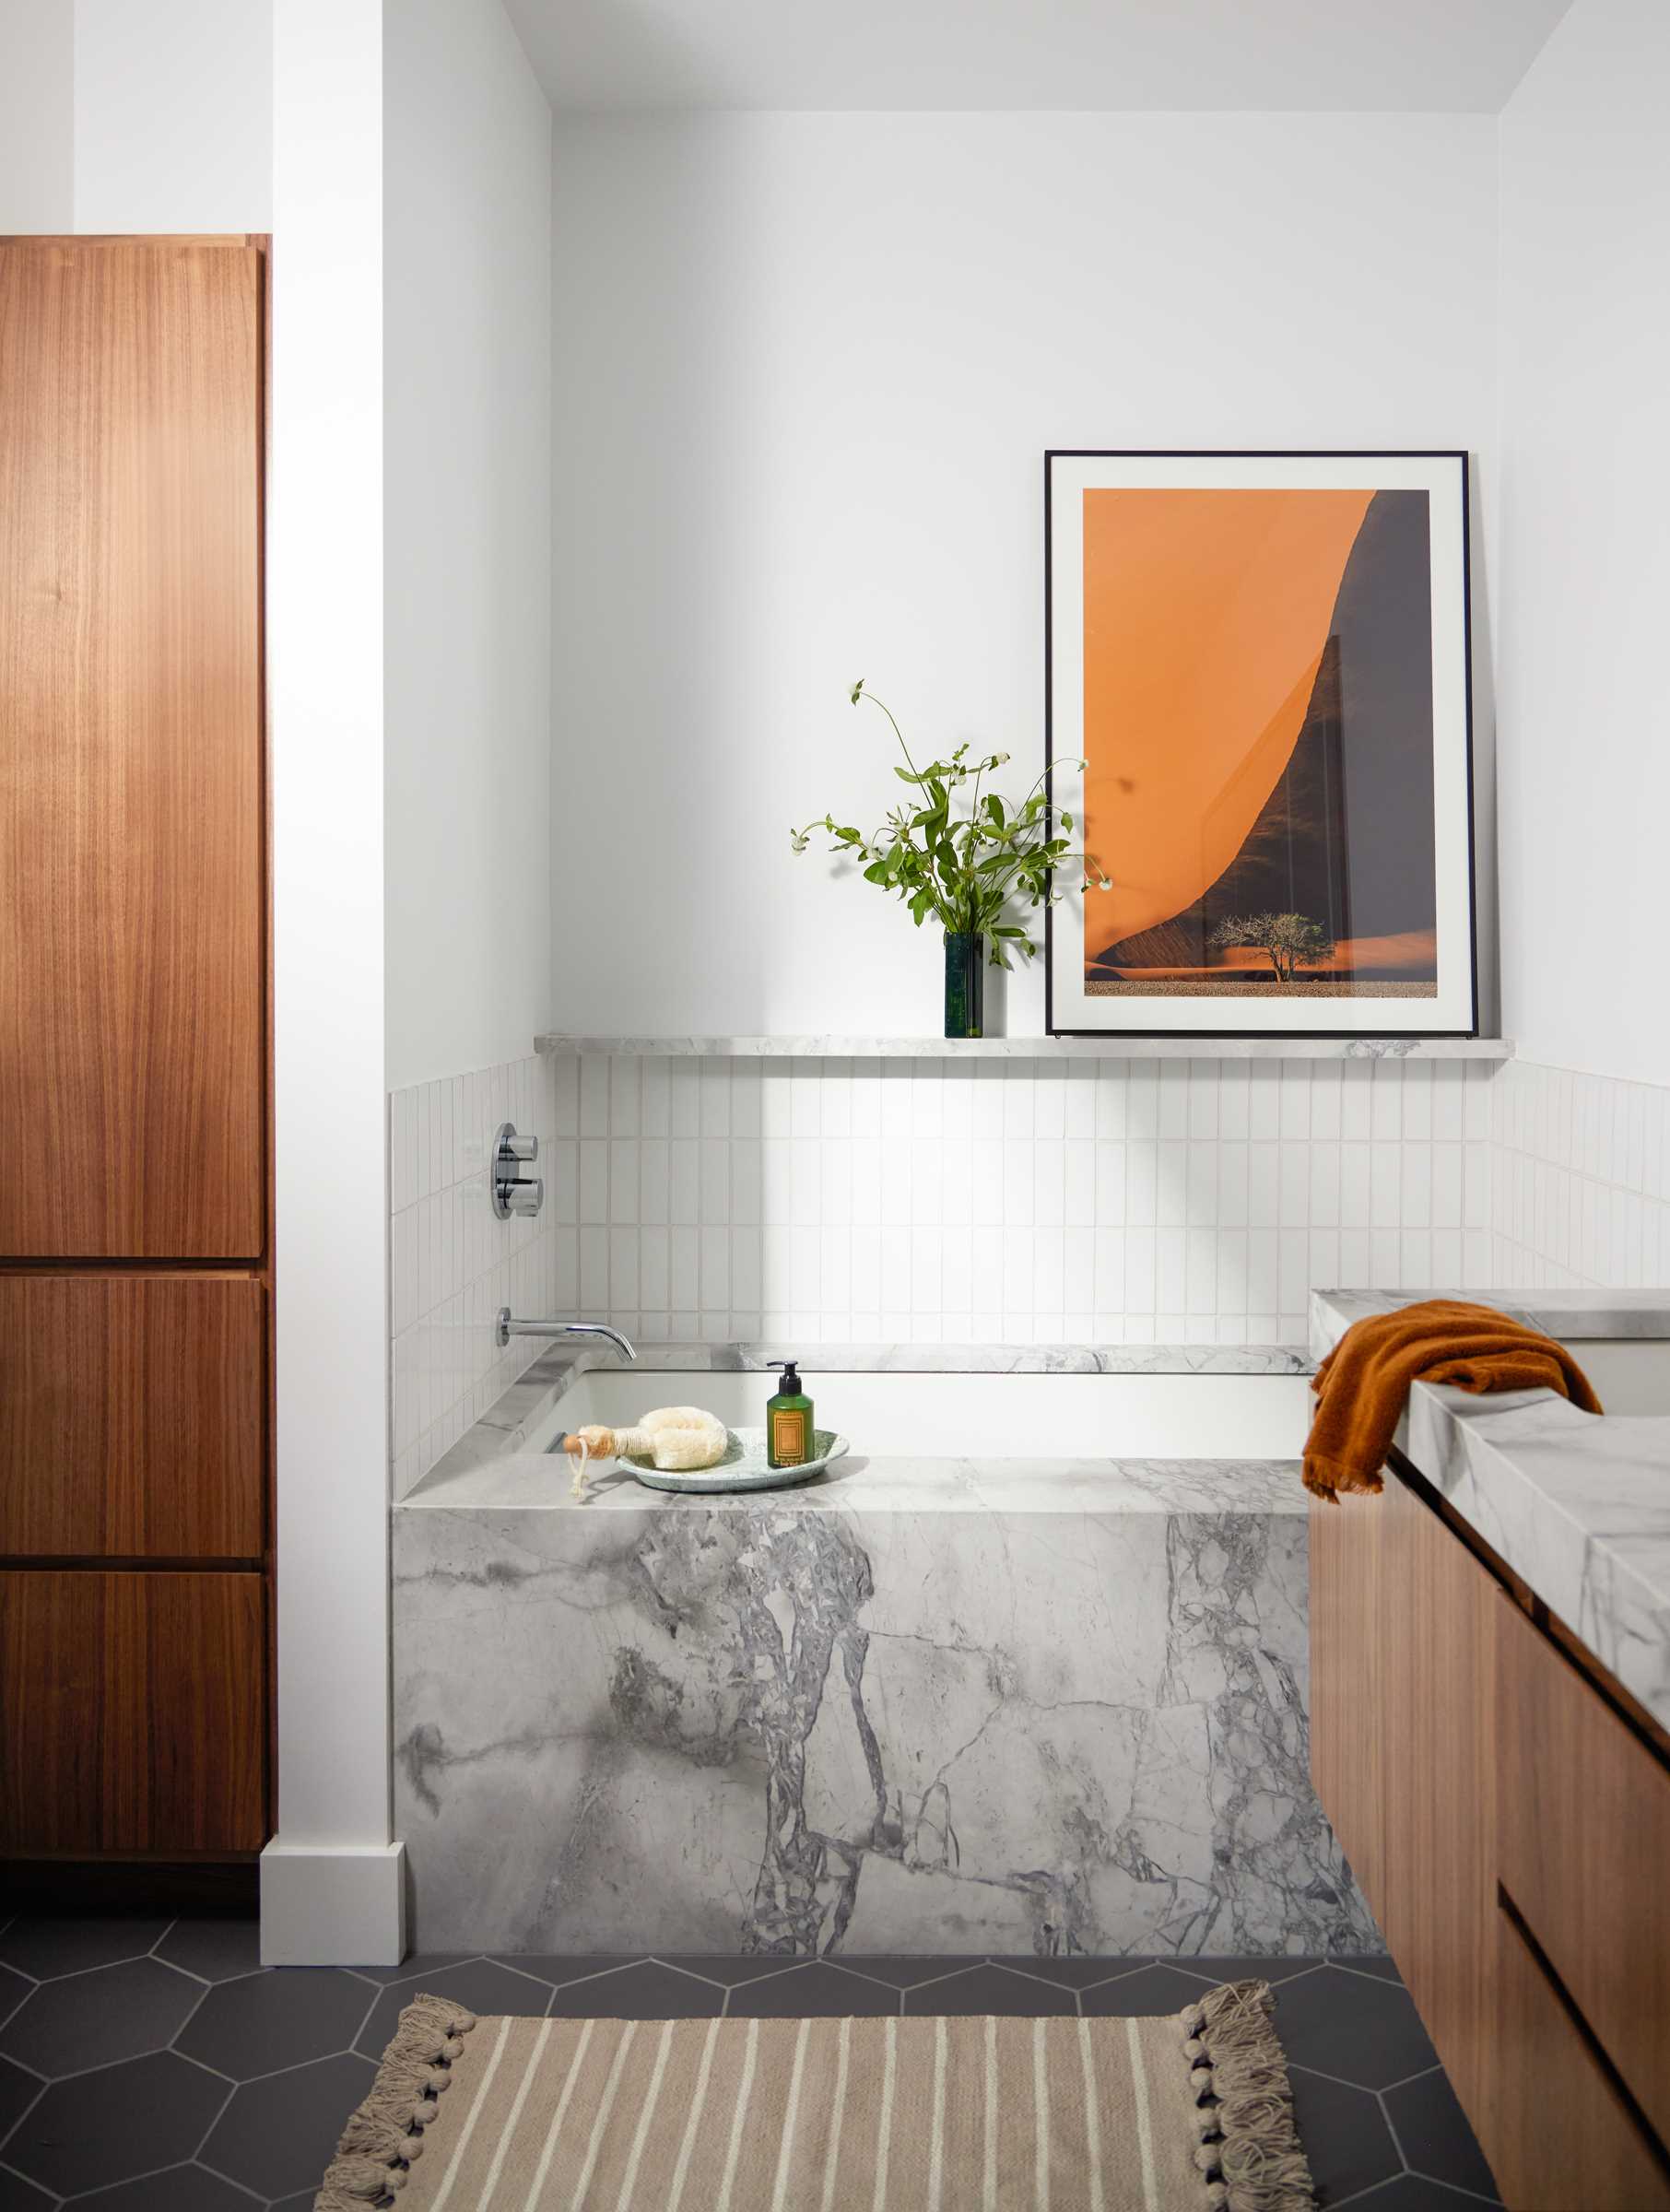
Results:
1578 1505
1057 1706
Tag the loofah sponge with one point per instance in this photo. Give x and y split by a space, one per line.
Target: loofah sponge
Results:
676 1439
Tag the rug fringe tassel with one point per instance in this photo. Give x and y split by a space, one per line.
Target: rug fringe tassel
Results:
1249 2150
387 2132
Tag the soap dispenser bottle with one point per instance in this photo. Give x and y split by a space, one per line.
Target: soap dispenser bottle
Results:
788 1421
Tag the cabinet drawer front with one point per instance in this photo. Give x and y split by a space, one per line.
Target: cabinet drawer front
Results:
132 1412
1583 1850
132 1714
1558 2136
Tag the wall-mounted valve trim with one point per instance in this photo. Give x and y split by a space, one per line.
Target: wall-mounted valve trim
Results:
514 1194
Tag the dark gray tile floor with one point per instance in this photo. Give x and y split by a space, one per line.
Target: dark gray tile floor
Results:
146 2066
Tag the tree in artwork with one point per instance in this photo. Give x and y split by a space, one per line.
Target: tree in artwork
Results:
1291 940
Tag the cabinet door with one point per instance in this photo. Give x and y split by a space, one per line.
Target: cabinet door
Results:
1402 1752
1559 2137
131 1713
132 1012
1584 1854
132 1416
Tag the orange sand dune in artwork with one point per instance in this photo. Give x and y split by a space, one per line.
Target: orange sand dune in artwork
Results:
1409 952
1205 614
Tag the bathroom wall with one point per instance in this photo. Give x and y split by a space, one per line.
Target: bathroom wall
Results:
466 217
1583 555
1020 1201
452 1263
799 432
1582 1179
117 118
173 115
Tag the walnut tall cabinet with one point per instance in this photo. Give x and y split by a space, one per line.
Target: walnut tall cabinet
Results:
136 1289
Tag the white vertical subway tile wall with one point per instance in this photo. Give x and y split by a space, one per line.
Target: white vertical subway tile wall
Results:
1582 1179
1025 1201
452 1263
1020 1201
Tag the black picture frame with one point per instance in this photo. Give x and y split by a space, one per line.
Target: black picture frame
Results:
1344 1034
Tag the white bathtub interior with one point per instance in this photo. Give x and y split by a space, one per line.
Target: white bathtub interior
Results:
986 1416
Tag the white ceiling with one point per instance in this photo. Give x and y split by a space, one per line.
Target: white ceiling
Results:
1463 55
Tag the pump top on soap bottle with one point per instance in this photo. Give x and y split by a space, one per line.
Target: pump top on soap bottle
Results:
788 1421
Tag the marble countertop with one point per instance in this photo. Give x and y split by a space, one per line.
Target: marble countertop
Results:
542 1482
1575 1503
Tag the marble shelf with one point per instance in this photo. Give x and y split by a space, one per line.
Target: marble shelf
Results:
1033 1048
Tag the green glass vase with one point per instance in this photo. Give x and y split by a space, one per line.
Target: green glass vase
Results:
965 983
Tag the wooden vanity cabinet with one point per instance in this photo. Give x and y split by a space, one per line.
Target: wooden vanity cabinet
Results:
135 1221
1511 1829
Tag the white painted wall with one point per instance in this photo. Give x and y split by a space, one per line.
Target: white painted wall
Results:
807 366
1584 551
37 115
331 1880
173 115
467 574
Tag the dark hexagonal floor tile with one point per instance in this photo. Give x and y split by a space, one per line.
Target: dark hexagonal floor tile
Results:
179 2189
1135 1996
816 1990
19 2196
717 1967
214 1950
1272 1970
1075 1970
14 1988
267 2020
1412 2192
19 2090
108 2126
555 1968
45 1948
483 1987
95 2018
303 2201
1353 2026
981 1989
278 2136
415 1965
1435 2137
1379 1967
1344 2137
647 1990
906 1969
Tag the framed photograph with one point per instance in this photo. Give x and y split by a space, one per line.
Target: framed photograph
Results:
1259 718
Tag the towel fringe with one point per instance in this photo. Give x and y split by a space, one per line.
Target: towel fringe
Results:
385 2134
1249 2152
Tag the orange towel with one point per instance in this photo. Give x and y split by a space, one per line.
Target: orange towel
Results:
1363 1384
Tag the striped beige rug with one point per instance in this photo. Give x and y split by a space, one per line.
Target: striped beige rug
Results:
1173 2114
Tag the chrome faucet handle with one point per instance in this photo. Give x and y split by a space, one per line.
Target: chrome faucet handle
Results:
513 1193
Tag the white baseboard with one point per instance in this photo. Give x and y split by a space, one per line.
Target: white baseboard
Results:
343 1907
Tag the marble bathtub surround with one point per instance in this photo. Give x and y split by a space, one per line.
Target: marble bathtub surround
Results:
1053 1706
1578 1505
1023 1201
1030 1048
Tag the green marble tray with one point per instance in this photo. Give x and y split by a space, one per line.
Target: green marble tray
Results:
745 1465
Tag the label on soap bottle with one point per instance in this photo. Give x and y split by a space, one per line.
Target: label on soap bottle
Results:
789 1437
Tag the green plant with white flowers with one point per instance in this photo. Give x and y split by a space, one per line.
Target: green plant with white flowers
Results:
971 869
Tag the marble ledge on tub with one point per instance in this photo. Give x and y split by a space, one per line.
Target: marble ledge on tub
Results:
535 1482
1110 1047
520 1409
1578 1506
1571 1315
